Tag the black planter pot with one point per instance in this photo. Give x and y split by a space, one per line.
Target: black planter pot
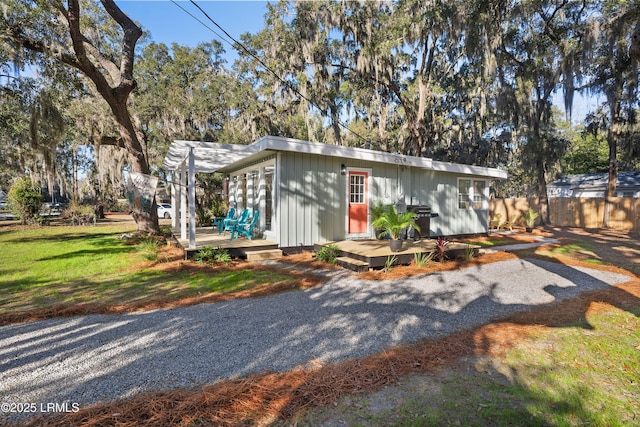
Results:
528 229
395 245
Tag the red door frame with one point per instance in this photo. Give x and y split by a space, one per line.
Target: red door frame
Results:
358 202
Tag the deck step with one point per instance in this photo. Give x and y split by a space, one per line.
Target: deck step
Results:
352 263
264 254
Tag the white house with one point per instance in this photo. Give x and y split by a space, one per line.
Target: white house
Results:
309 192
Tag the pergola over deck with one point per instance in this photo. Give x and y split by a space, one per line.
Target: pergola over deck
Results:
183 160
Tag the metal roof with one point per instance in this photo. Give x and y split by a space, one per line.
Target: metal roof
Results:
214 157
598 180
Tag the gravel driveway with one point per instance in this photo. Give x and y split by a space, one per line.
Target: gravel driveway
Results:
86 359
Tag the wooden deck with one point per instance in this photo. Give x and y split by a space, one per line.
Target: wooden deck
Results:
361 255
239 247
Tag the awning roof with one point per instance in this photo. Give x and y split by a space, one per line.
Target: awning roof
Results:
209 156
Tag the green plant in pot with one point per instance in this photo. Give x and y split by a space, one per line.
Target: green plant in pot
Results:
377 210
394 224
530 217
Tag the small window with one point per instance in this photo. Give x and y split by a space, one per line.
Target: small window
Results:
357 189
478 194
471 194
627 194
464 193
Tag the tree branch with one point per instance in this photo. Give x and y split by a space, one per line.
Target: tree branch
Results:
16 34
131 35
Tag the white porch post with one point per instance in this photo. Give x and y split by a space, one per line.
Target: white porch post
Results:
192 199
174 199
183 204
262 197
251 191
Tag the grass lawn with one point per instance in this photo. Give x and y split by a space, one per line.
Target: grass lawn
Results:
47 266
581 374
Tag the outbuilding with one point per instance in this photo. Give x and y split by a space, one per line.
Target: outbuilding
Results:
594 185
309 192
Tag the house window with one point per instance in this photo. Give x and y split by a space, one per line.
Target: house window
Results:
464 192
356 193
478 194
472 194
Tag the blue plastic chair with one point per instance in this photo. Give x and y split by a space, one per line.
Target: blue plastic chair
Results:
220 221
246 228
229 224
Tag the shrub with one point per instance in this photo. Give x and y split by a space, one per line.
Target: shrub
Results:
469 252
389 263
80 214
441 248
204 217
328 253
210 254
149 248
219 206
25 198
423 259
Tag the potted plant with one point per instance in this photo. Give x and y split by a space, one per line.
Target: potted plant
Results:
377 210
394 223
529 219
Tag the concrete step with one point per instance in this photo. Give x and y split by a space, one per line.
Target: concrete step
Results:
352 263
264 254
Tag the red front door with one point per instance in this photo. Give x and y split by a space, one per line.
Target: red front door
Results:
358 202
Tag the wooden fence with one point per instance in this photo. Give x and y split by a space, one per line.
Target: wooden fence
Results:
573 212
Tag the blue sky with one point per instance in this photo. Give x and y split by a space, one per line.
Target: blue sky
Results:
168 23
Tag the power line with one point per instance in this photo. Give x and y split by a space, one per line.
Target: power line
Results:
201 22
240 46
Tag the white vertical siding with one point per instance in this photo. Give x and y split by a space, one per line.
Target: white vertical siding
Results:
313 197
440 191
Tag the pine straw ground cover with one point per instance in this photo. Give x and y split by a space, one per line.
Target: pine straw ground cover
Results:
295 397
273 398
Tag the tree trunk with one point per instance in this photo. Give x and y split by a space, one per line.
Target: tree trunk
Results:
612 139
116 97
542 193
74 167
634 50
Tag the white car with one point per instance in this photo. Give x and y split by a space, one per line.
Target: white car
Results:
164 210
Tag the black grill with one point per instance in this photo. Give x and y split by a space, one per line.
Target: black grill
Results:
423 221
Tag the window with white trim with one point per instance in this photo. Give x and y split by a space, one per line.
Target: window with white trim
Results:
478 194
464 193
356 189
472 194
